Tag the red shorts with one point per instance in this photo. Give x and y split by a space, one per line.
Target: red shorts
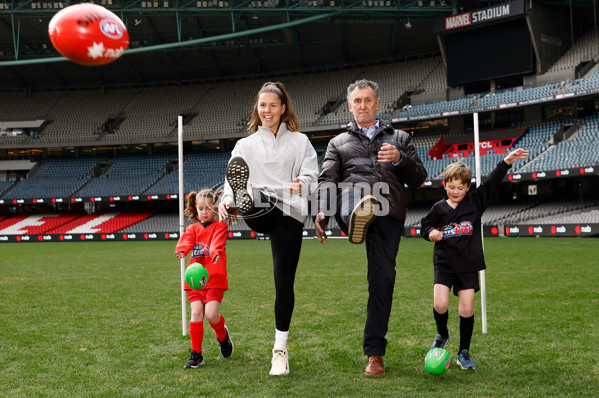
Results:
205 295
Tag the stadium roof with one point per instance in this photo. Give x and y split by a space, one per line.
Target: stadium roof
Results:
179 40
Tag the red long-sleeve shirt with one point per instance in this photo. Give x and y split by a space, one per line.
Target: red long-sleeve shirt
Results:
205 243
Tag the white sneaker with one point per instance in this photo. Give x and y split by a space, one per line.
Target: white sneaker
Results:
280 363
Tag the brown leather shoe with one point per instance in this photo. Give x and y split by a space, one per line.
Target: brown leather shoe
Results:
375 367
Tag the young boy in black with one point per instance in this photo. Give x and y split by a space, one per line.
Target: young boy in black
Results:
454 224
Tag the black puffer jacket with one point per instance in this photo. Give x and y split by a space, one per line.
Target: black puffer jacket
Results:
351 157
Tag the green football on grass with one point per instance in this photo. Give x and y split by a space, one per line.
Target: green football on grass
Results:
437 361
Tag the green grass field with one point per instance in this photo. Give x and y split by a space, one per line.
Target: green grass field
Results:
104 320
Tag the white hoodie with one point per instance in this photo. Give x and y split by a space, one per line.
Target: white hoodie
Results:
274 162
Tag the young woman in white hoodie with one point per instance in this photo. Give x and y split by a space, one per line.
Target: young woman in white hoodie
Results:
269 176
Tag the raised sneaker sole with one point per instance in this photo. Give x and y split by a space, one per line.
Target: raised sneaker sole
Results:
361 218
238 175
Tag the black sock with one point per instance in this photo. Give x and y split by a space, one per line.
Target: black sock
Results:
441 320
466 327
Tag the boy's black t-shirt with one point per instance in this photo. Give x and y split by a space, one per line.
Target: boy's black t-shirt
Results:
461 249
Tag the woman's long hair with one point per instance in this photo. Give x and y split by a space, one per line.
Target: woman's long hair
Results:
288 117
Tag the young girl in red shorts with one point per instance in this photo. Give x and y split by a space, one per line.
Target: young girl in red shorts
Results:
206 240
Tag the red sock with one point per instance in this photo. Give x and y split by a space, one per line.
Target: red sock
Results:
219 328
196 333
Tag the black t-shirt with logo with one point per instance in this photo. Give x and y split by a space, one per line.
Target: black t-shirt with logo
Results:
461 249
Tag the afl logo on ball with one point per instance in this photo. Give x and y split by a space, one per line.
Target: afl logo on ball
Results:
111 29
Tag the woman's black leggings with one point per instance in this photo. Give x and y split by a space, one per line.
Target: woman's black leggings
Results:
286 243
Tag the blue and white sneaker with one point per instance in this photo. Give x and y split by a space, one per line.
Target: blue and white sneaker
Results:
440 341
465 360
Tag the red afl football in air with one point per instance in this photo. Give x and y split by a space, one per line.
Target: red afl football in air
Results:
88 34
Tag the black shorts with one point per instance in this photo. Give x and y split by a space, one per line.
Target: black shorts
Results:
459 281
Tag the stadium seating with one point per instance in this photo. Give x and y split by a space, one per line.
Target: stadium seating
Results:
414 214
498 213
438 107
80 115
16 106
5 185
542 211
201 170
137 174
586 216
536 140
308 102
170 223
129 175
153 111
577 152
585 49
509 96
158 222
526 211
57 178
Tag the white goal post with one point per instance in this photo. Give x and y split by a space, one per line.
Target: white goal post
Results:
483 287
182 225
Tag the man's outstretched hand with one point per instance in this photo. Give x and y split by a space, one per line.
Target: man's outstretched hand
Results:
321 222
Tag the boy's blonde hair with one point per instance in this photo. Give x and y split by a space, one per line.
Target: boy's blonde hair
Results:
192 200
458 171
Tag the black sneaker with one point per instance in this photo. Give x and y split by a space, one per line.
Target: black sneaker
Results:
195 360
226 346
238 175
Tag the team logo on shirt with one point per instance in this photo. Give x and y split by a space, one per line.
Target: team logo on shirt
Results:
200 250
452 230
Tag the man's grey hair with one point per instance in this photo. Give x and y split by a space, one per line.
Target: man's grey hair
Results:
361 84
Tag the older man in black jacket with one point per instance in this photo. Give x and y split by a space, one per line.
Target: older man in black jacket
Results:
364 174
